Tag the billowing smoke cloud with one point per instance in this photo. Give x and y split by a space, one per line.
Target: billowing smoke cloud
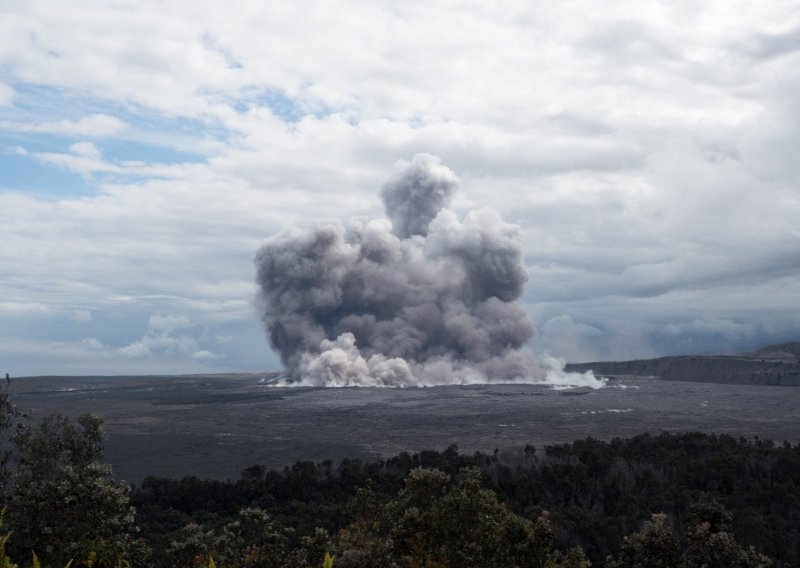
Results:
415 193
424 299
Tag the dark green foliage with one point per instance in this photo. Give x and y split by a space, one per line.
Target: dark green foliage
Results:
252 540
596 492
433 521
437 522
708 544
655 546
8 419
59 500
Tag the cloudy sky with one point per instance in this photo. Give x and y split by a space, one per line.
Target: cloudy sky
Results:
648 150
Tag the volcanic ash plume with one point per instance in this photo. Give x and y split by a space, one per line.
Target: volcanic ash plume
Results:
423 298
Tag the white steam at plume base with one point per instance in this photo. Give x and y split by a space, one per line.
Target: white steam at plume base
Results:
422 298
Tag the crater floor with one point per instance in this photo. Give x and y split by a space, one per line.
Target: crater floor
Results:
214 426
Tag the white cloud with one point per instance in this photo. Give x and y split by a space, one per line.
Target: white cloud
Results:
83 158
170 336
81 316
93 344
136 350
96 125
168 322
86 350
6 95
86 149
23 307
204 355
86 158
157 343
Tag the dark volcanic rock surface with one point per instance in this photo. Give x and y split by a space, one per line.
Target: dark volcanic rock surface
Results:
216 425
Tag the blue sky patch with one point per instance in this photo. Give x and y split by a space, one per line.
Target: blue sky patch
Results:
24 173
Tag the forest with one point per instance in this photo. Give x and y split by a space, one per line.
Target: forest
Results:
687 499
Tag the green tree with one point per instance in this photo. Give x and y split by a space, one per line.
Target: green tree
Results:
8 418
366 543
655 546
193 545
435 522
710 544
65 504
708 549
253 540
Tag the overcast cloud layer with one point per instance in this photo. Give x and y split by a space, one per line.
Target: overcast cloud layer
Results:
647 151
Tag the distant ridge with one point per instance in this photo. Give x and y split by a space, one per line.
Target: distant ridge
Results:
777 365
789 352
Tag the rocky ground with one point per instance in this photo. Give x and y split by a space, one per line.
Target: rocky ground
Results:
216 425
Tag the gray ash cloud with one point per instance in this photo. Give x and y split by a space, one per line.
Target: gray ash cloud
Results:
420 298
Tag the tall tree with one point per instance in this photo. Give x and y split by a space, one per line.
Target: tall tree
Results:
65 504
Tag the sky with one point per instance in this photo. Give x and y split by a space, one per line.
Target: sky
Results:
647 150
